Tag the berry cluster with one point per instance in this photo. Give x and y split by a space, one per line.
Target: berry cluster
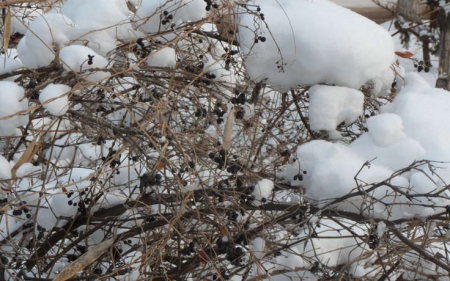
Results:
166 17
210 76
299 176
190 249
234 254
373 241
239 99
90 60
228 56
234 166
41 232
286 153
261 15
140 42
80 204
31 86
4 260
112 156
260 38
128 242
247 196
232 216
22 209
219 112
147 180
201 112
219 159
209 4
420 66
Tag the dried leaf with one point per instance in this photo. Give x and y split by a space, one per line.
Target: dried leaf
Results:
86 259
202 257
28 155
131 7
405 55
228 132
223 230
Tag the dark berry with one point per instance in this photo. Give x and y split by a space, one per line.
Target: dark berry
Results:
240 114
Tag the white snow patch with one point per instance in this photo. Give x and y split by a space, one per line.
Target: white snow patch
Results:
12 101
77 58
54 98
165 57
311 42
329 106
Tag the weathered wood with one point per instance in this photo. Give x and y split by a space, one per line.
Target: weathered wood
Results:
413 10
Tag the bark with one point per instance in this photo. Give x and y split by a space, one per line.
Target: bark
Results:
444 50
413 10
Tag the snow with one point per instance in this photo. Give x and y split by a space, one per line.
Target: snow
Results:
263 190
408 129
423 109
36 48
304 45
8 65
5 169
112 23
149 16
165 57
76 58
13 105
330 106
305 42
54 98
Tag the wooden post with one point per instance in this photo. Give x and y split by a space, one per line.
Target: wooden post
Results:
412 10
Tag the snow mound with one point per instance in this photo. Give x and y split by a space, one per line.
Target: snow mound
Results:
80 58
36 48
8 65
310 42
55 99
423 110
158 15
165 57
408 130
111 23
12 101
329 106
263 189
